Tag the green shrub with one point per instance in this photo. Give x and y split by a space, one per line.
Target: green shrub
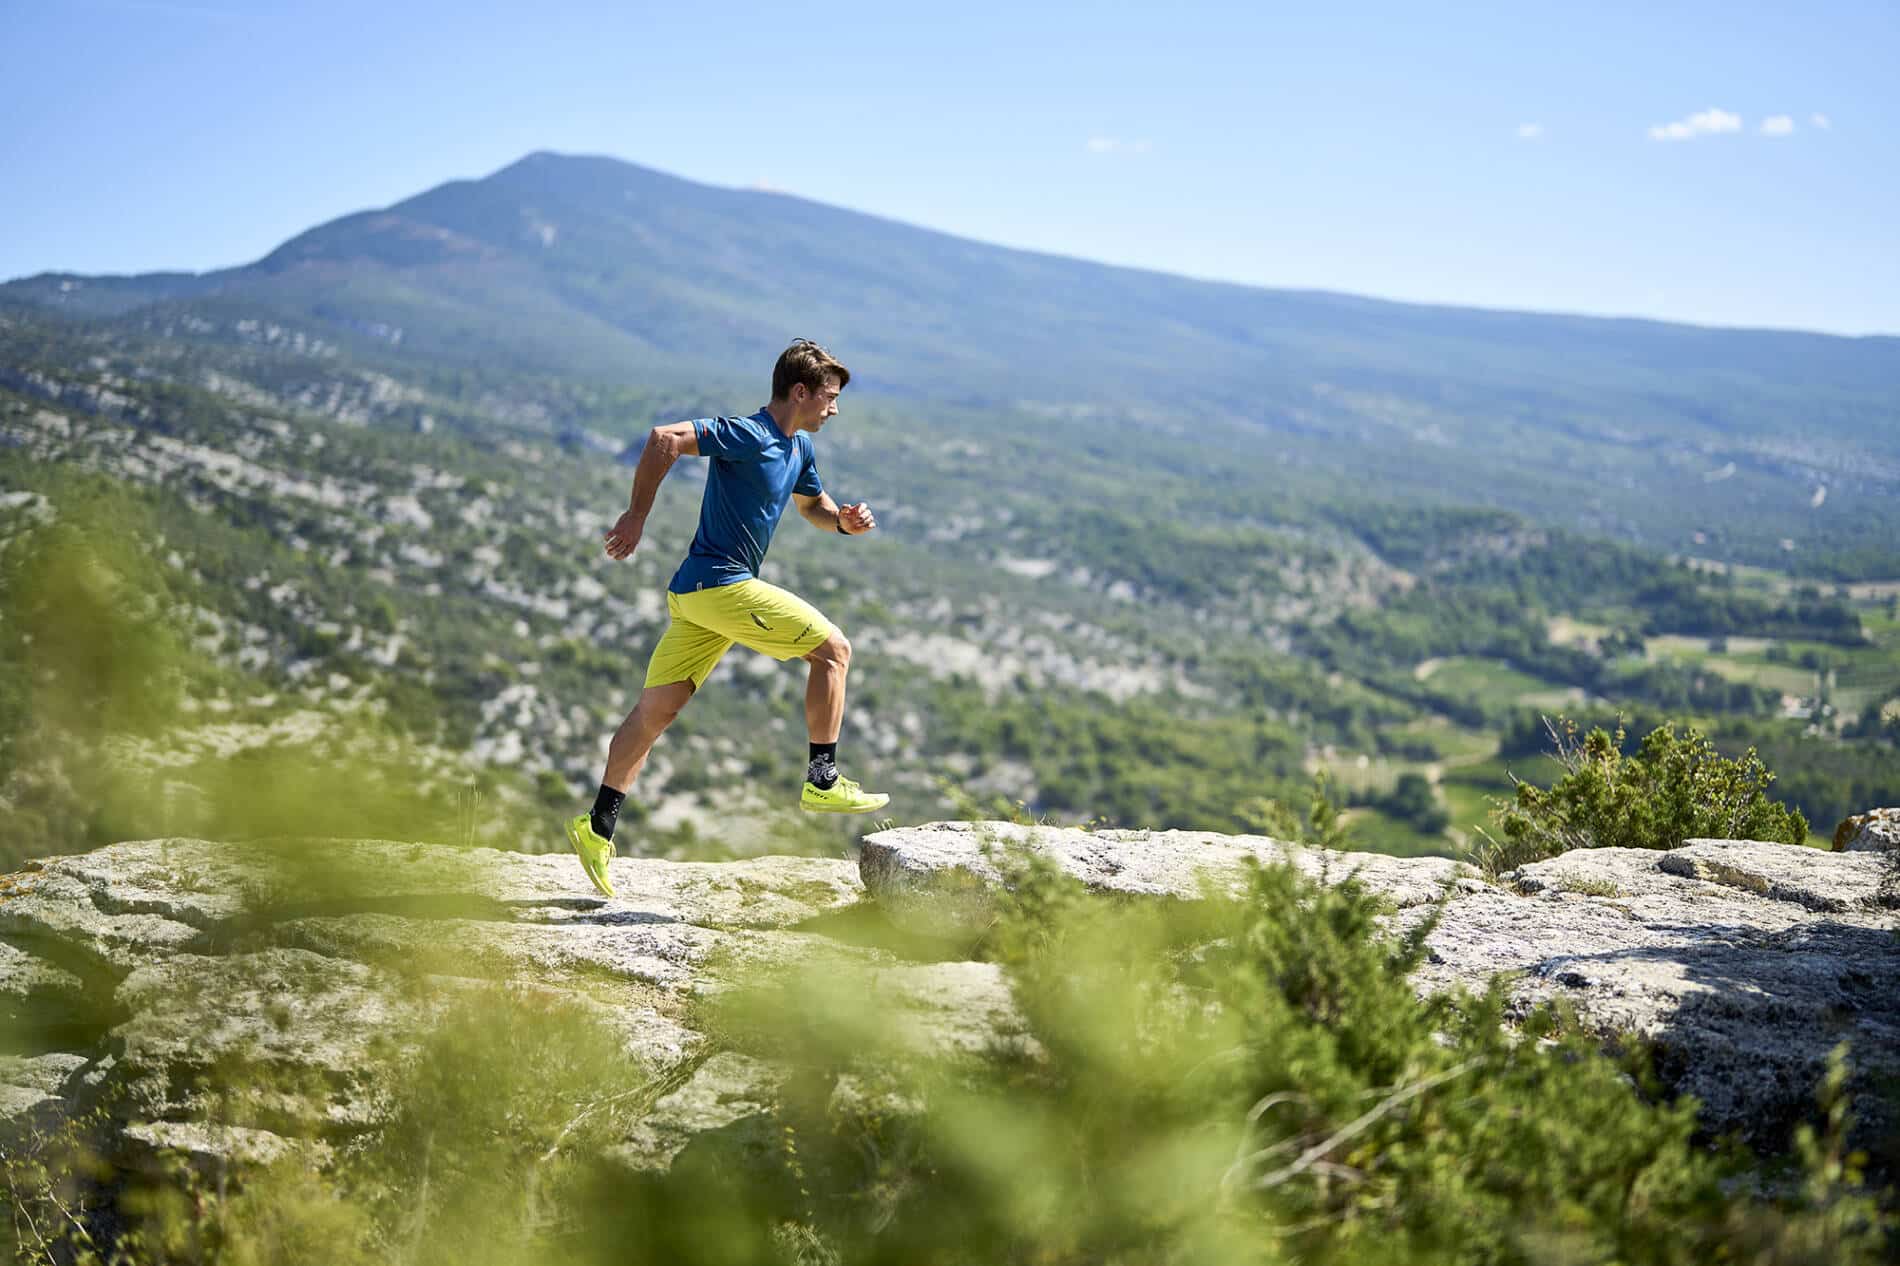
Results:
1675 787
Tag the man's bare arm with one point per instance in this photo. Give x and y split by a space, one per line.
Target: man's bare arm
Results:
819 511
665 445
828 516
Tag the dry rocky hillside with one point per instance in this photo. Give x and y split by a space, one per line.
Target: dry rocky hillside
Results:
130 974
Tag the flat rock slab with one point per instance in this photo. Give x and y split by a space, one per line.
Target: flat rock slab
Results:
941 877
763 893
56 906
1835 885
279 1006
210 1148
306 960
152 896
757 892
660 962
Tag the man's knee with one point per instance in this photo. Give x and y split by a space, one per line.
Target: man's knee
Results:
659 705
835 649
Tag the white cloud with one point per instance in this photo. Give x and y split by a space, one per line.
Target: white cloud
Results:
1777 125
1530 131
1820 121
1114 144
1705 123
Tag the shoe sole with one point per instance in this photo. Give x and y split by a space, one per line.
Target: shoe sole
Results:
869 808
574 841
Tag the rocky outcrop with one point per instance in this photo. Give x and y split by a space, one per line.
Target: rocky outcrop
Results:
1745 963
1877 830
137 976
142 973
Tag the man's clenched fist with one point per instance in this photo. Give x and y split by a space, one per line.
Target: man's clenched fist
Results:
624 536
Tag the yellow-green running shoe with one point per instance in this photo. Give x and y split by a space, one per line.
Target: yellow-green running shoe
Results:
843 796
595 852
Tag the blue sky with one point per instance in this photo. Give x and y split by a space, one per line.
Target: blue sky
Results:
1731 164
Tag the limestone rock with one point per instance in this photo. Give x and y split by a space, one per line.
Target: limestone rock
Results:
1783 874
730 1095
1744 962
283 1011
58 905
280 1006
32 1086
151 968
940 877
939 1009
724 1110
209 1148
191 887
38 998
174 962
1877 830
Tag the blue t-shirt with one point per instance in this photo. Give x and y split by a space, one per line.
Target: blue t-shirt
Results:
755 470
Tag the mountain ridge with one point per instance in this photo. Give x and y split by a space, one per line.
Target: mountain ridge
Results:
593 270
536 158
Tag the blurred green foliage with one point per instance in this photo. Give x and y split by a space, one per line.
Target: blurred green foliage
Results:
103 729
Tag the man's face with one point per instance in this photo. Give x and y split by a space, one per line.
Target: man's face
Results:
811 409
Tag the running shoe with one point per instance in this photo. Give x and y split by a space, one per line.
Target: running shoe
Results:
594 852
843 796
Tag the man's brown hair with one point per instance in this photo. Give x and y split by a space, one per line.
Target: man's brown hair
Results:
804 361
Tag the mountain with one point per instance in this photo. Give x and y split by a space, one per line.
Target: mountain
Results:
601 267
1767 447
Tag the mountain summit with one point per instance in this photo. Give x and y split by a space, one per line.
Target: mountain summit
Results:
598 267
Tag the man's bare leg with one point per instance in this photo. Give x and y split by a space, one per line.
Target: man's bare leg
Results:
592 834
824 692
826 790
627 753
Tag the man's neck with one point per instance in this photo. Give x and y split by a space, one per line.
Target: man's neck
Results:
780 411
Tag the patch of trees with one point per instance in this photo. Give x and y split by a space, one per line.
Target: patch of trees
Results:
1690 605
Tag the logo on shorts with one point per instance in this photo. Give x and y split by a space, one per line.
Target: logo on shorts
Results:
761 623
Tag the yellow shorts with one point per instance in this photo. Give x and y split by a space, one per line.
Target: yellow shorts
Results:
752 613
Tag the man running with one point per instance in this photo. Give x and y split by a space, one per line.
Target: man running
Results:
716 597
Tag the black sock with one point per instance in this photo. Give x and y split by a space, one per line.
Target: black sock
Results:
607 810
822 772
